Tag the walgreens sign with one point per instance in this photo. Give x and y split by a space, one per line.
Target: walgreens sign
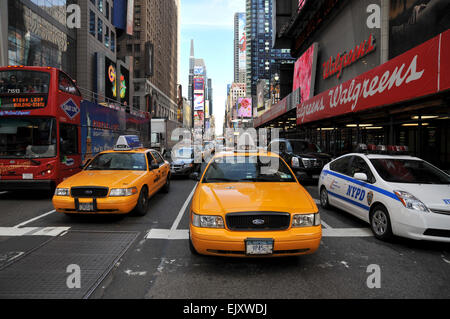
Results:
418 72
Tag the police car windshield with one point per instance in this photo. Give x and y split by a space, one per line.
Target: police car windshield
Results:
118 162
409 171
231 169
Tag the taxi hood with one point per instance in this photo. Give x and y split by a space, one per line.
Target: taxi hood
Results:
111 179
222 198
434 196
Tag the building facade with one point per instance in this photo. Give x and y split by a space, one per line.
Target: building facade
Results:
154 48
262 61
362 77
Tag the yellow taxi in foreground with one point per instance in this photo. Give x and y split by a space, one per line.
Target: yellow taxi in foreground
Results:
250 204
115 182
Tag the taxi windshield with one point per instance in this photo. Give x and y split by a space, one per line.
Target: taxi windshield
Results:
118 162
231 169
409 171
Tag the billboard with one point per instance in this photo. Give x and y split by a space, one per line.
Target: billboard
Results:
198 119
244 107
199 84
199 102
198 70
242 42
207 115
148 58
304 73
124 85
412 22
130 17
110 79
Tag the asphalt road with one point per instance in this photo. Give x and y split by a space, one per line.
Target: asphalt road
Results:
148 257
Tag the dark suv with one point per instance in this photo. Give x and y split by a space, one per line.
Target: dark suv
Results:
305 158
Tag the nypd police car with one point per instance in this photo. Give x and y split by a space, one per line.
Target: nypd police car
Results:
396 194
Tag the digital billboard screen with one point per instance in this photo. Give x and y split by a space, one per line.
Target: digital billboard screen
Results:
124 84
199 102
244 107
110 79
242 42
199 84
304 72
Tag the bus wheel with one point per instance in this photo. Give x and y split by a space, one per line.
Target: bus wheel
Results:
142 204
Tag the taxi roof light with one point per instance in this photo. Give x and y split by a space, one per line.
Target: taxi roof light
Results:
127 143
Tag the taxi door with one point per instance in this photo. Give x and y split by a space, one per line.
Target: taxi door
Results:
151 175
161 171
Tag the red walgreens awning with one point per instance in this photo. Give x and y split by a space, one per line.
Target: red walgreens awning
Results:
418 72
275 111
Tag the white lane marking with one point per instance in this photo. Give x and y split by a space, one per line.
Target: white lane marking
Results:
168 234
334 232
326 225
181 212
35 218
1 193
33 231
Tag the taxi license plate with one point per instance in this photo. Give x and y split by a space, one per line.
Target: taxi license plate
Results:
86 207
259 246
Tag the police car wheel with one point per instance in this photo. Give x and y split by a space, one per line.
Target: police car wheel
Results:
380 223
142 204
324 198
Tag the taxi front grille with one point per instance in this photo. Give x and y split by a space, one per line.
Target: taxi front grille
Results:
89 192
258 221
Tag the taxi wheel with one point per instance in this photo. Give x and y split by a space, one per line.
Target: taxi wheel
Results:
166 186
380 223
324 198
192 248
142 204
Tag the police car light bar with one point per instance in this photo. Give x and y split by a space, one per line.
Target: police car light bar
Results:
382 149
127 142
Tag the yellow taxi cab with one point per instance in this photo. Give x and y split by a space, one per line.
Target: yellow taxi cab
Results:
250 204
115 182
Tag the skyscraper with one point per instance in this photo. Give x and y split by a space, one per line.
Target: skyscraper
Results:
263 62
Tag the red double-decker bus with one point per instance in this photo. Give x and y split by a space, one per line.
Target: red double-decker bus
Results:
47 129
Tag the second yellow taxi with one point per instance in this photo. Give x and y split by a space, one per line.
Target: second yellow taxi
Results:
115 182
250 204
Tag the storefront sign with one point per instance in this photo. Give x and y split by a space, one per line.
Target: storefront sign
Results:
332 67
410 75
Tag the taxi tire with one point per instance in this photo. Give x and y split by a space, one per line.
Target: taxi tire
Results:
142 204
166 187
324 201
379 211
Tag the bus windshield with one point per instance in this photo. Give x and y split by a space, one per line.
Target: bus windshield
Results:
27 137
23 89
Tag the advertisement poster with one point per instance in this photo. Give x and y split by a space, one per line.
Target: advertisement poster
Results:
244 107
110 79
130 16
304 73
412 22
124 82
199 102
198 70
242 42
199 84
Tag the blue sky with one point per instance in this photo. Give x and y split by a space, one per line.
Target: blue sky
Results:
210 24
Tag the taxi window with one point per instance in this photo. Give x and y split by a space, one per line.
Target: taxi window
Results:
119 162
232 169
158 158
341 165
359 165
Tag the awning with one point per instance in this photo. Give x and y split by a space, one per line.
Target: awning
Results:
421 71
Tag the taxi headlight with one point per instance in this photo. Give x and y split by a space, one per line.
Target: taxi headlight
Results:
62 192
306 220
410 201
206 221
123 191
